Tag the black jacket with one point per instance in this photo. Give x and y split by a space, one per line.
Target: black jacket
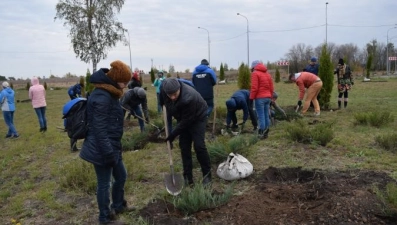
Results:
131 99
105 121
187 109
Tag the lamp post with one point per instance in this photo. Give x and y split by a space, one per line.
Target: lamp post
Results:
129 47
387 50
209 51
248 39
326 22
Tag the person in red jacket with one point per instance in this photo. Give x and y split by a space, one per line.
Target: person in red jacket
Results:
313 84
261 92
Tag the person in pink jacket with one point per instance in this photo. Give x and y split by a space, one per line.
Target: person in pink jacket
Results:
313 84
37 95
261 92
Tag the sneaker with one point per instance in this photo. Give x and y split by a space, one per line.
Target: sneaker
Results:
316 113
125 209
15 136
8 136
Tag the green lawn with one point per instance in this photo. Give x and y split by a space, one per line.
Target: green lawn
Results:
42 182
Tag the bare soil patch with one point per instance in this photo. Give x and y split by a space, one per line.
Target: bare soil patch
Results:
291 196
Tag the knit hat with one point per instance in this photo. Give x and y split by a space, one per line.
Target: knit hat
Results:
170 85
341 62
204 62
119 72
313 59
5 84
254 63
231 104
275 95
141 93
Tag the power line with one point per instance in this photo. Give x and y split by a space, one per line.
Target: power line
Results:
286 30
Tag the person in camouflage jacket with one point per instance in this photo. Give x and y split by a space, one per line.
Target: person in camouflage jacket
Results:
345 82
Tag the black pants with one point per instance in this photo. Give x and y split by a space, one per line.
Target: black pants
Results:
194 134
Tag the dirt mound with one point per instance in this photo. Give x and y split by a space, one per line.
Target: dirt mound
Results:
292 196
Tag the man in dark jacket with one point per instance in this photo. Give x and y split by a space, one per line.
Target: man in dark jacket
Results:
204 79
240 100
102 145
75 91
132 100
187 106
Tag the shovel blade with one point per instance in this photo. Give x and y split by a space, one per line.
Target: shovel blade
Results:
173 183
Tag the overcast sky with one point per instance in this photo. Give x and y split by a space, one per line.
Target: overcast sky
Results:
166 31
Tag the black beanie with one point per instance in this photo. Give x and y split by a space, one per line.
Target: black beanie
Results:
170 85
341 62
204 62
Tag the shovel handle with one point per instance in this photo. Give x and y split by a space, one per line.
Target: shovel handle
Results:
168 143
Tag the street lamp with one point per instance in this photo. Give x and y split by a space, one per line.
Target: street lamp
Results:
209 54
248 40
129 47
387 50
326 22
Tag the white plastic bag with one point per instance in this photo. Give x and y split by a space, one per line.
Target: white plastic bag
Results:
235 167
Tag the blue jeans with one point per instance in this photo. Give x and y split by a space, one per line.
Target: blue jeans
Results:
9 119
210 104
262 106
103 175
159 109
41 115
137 110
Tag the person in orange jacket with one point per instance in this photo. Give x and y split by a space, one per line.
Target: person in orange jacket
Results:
313 84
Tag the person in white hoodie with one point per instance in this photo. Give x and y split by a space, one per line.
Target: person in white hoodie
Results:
8 108
37 95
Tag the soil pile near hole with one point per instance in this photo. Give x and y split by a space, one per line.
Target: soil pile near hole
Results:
291 196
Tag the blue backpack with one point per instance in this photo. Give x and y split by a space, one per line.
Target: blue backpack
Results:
75 115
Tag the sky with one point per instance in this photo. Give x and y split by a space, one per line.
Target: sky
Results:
165 32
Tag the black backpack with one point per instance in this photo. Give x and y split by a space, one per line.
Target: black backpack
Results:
75 115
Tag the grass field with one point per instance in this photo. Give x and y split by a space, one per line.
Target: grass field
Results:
42 182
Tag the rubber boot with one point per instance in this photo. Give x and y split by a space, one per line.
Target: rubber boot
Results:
188 180
73 145
207 179
260 133
345 104
266 133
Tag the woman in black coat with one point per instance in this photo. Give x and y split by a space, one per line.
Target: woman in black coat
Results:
102 145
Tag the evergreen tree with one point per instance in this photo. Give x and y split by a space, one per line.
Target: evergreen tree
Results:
88 87
225 67
221 73
369 64
277 79
152 78
327 76
244 77
45 85
28 86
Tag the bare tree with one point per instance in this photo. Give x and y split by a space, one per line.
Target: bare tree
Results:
93 27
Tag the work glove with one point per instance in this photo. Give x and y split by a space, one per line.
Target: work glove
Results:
110 160
170 138
300 103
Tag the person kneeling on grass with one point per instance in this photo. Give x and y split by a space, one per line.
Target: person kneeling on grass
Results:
240 100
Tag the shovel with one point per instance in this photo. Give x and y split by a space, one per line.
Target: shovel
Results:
158 128
173 182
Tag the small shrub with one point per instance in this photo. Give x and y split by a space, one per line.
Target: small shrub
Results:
134 142
200 198
380 119
78 175
388 199
361 118
388 142
217 152
299 131
322 133
241 144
